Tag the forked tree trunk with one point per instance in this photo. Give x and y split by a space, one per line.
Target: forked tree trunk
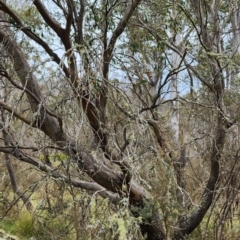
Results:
48 122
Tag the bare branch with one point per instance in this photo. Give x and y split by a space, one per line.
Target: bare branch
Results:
48 19
29 81
121 25
34 37
18 115
55 174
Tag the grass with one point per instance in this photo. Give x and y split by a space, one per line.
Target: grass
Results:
21 226
8 226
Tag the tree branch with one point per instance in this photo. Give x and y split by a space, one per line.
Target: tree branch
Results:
121 25
189 222
56 27
34 37
17 115
29 82
55 174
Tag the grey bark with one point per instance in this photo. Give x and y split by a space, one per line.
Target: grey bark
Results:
51 126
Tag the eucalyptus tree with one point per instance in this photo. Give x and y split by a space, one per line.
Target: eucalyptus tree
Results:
92 80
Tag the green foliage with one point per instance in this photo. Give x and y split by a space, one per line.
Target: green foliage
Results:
147 212
55 157
24 227
21 225
52 228
8 226
104 224
123 225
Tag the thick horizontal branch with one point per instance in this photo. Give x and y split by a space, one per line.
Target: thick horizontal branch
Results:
55 174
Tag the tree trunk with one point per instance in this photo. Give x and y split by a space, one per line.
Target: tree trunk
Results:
189 222
15 186
13 179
